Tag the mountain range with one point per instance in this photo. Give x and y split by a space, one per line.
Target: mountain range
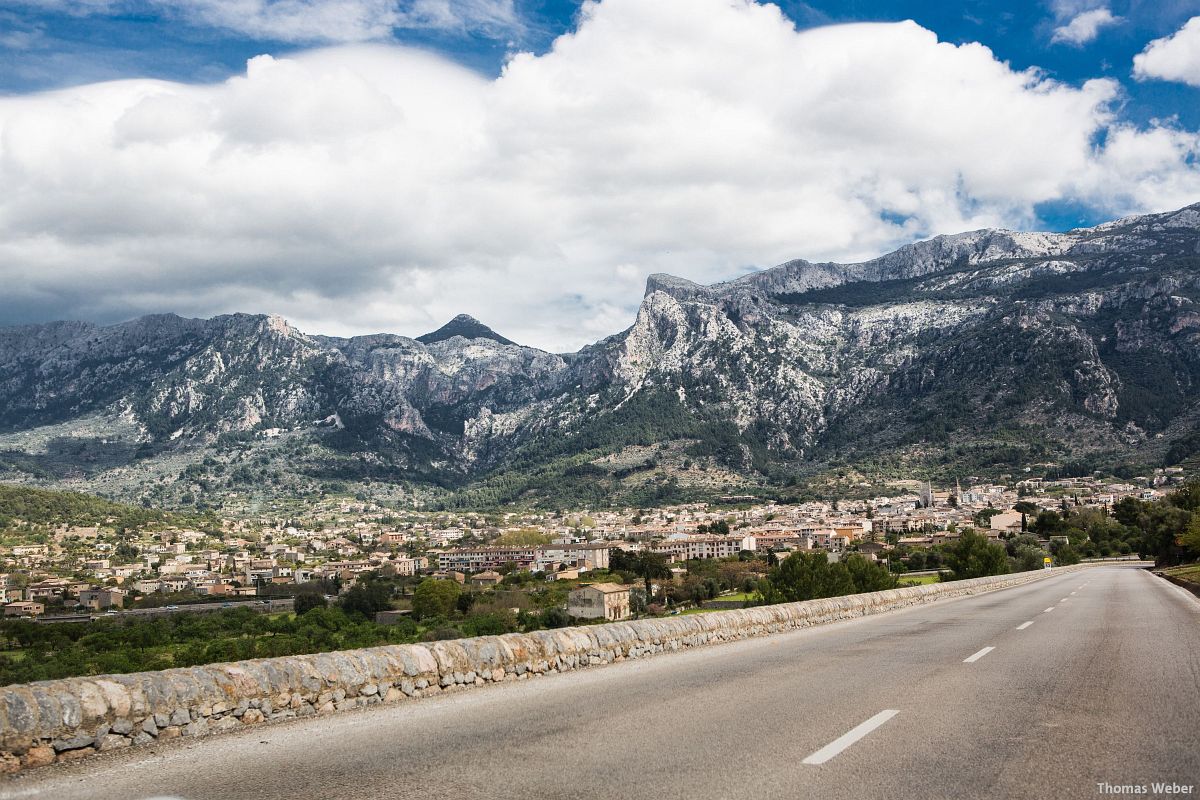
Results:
980 353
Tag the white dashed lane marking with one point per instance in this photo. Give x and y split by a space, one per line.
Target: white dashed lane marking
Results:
850 737
972 659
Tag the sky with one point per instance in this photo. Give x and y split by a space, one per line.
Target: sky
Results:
363 166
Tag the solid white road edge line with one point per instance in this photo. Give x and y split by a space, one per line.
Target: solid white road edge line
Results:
977 656
1024 625
850 737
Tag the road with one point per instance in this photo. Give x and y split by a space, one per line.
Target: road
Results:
263 605
1042 691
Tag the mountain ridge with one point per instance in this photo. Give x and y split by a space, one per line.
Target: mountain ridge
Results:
1001 348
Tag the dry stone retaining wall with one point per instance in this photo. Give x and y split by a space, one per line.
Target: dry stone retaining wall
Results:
49 721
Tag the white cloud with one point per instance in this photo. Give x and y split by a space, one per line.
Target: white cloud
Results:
1172 58
314 21
493 16
80 7
291 20
1084 26
367 188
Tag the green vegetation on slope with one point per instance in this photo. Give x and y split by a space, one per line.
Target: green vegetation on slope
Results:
45 507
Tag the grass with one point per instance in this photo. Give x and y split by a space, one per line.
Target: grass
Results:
918 580
1187 572
740 597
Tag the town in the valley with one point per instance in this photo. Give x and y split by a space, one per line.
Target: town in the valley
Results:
265 560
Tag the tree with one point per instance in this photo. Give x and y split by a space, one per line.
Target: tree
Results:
973 556
464 602
1187 497
523 537
434 598
1064 553
1162 526
368 598
1025 553
554 618
806 576
984 517
308 601
869 576
1191 537
650 566
1048 524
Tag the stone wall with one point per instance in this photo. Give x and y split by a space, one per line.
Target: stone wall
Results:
62 720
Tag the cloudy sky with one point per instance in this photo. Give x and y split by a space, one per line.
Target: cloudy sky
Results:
381 165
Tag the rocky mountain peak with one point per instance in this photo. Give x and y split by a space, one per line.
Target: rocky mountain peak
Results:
1082 348
467 327
679 288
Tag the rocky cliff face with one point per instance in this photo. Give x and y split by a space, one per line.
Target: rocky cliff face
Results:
1093 329
1062 344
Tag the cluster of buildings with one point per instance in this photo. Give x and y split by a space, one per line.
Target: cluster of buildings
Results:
95 569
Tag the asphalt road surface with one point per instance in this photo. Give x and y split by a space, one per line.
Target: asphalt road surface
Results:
262 605
1042 691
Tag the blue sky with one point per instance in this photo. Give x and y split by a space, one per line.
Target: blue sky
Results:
60 43
65 43
365 165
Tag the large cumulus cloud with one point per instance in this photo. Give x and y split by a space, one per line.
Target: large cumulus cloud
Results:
365 188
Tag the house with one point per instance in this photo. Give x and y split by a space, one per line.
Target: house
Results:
406 566
872 548
587 556
53 589
24 608
599 601
701 547
472 559
487 578
1006 522
916 541
97 599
